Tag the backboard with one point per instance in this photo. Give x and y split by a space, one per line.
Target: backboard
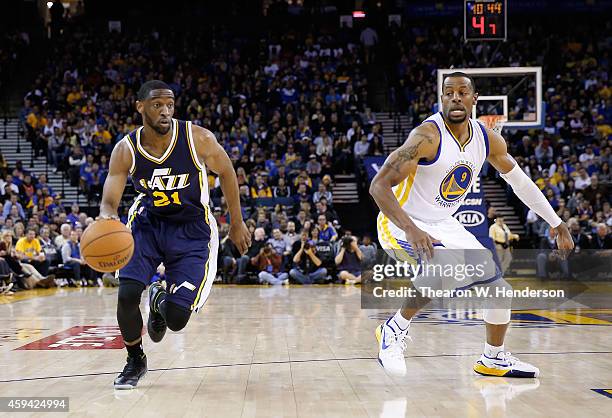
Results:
515 92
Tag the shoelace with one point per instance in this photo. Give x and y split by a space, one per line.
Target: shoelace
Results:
159 323
505 357
509 358
130 366
398 343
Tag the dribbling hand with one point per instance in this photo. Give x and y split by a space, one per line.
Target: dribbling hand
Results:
240 236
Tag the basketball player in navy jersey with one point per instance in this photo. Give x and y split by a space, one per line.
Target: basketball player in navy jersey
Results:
170 220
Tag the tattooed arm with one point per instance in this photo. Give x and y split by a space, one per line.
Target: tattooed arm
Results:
422 142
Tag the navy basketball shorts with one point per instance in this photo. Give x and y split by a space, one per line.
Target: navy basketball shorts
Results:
188 251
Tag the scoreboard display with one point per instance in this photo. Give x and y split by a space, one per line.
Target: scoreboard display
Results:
485 20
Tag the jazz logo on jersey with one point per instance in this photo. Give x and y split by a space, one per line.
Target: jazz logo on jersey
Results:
455 184
161 182
161 179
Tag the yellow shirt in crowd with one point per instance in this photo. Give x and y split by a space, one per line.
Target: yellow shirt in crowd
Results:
73 97
103 137
36 121
29 248
604 130
554 180
501 234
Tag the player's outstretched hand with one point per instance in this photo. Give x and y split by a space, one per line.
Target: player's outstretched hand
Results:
421 242
565 243
240 236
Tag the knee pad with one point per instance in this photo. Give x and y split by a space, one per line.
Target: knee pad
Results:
128 309
176 316
496 316
130 292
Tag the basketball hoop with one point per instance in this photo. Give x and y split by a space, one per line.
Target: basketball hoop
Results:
493 122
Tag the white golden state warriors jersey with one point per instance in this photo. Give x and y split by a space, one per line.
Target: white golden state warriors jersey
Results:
437 188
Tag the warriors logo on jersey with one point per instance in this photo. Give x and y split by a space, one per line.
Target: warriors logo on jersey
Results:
438 187
455 184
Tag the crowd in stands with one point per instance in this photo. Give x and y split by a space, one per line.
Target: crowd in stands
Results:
39 236
283 107
298 101
291 110
295 249
569 159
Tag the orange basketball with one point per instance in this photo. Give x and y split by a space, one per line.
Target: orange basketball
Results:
107 245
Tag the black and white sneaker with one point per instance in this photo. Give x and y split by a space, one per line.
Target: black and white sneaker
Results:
134 370
6 289
156 324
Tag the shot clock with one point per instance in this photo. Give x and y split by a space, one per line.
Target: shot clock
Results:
485 20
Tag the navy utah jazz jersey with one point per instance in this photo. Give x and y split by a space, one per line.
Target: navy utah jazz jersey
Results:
173 186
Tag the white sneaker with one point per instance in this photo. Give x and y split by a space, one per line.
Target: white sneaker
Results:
506 365
391 346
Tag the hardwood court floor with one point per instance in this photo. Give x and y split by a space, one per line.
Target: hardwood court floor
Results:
298 351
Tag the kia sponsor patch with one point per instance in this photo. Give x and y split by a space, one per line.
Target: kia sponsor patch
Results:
469 217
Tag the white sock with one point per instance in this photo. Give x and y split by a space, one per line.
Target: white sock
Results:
492 351
401 322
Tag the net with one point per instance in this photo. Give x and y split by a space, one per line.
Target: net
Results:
493 122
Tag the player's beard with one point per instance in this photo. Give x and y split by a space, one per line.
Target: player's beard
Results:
156 127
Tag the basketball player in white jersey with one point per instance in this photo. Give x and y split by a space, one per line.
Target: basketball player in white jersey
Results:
421 185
